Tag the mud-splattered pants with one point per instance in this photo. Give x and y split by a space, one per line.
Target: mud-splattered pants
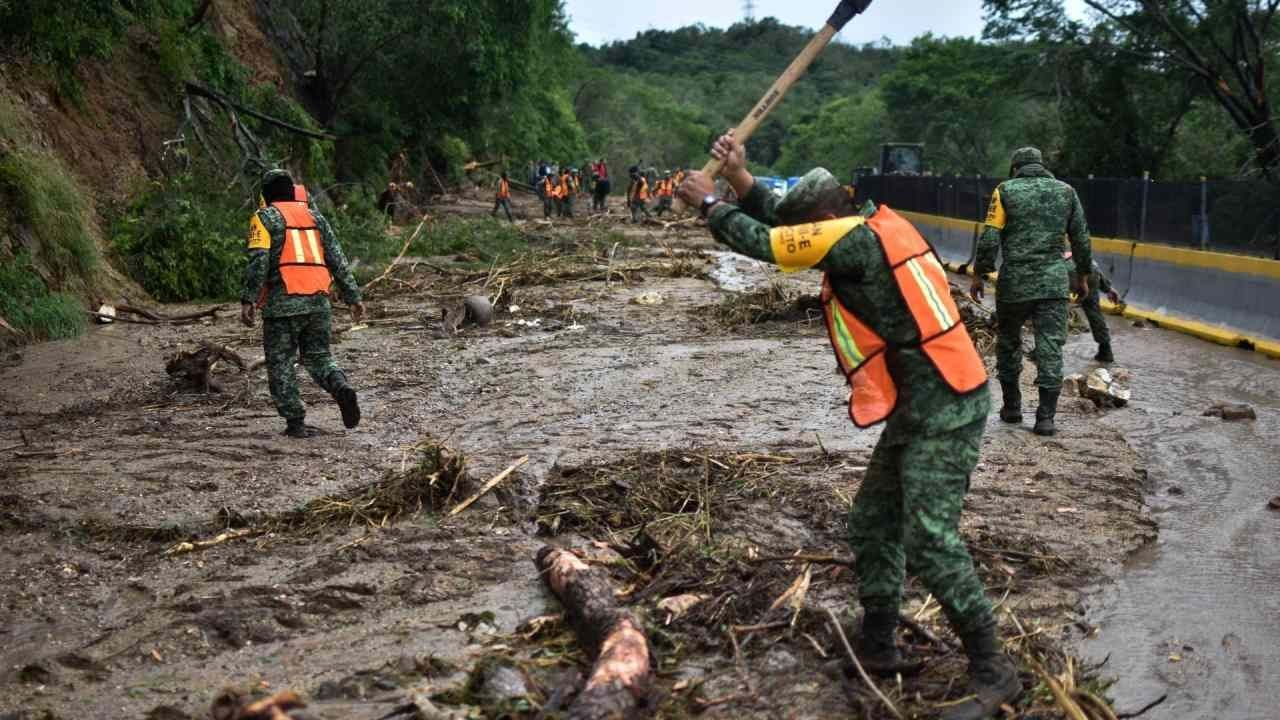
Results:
285 339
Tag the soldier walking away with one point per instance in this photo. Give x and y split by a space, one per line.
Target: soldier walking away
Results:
600 196
502 197
566 192
1028 216
666 194
638 195
294 257
899 341
547 189
1091 303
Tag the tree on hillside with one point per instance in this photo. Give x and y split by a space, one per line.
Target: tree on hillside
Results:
952 95
844 134
1223 44
402 73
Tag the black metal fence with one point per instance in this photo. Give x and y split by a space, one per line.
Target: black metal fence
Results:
1243 216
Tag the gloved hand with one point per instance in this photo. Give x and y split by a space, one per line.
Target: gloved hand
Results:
246 314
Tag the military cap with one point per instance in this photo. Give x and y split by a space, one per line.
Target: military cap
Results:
274 174
812 192
1026 156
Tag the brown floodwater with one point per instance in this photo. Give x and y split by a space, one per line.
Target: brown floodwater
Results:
1194 616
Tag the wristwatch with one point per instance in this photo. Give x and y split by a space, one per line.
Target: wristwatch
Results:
708 202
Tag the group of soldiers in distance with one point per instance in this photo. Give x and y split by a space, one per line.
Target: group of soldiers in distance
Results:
560 187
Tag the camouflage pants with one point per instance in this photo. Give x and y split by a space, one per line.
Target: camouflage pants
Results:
503 203
1049 318
664 205
906 516
285 339
548 204
637 207
566 207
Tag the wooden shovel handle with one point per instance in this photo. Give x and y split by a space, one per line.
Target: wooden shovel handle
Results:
752 121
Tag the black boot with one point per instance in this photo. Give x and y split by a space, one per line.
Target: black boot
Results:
298 428
1011 412
345 395
1104 354
1045 413
877 648
993 679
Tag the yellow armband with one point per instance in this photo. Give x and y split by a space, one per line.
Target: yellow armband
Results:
800 247
259 238
995 214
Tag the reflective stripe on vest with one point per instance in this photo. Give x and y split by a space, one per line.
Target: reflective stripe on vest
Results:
302 265
923 286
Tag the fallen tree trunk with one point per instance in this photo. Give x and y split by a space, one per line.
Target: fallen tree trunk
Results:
171 319
621 677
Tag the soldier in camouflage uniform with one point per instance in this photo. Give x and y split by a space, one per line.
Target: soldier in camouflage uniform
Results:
1091 303
1028 217
296 326
907 511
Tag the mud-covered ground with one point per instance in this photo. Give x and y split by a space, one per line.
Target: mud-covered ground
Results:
686 448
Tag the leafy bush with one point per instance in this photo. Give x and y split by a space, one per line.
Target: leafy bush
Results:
363 230
183 242
487 240
27 304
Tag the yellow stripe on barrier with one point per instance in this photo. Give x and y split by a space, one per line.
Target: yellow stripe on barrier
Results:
1204 331
1186 257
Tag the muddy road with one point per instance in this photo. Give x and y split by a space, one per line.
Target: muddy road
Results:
654 410
1193 615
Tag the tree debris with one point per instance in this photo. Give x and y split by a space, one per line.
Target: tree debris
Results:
621 676
234 705
491 484
1231 412
195 368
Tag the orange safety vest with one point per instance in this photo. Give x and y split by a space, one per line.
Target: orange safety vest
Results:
548 187
566 186
642 190
943 336
302 265
300 193
664 188
504 189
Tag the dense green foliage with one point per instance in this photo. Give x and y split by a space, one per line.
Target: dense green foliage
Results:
183 244
400 82
27 304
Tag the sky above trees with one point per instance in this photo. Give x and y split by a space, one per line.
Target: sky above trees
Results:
597 22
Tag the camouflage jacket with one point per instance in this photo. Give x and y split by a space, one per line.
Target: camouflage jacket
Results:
1028 218
861 279
265 243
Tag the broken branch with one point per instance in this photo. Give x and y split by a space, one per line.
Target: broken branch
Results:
386 273
835 623
204 92
491 484
620 679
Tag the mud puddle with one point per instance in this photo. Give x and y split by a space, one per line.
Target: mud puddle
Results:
1194 615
